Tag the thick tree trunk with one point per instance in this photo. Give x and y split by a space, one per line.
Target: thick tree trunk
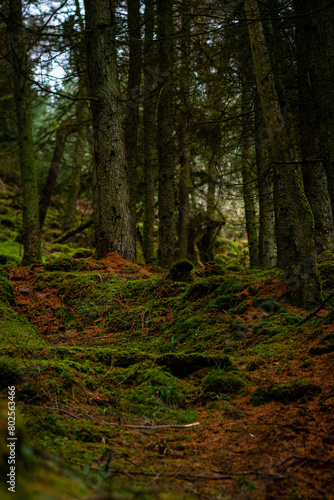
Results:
150 132
166 199
294 220
132 109
311 129
63 132
266 192
116 228
22 91
184 138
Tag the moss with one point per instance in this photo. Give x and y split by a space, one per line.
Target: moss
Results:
180 270
295 390
269 306
202 288
67 264
6 289
220 382
326 270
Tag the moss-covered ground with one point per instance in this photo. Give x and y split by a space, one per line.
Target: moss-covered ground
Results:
134 385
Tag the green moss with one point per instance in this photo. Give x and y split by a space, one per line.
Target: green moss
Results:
180 270
269 306
219 382
295 390
12 250
6 289
67 264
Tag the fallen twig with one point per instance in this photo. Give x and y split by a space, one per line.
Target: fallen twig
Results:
314 313
128 426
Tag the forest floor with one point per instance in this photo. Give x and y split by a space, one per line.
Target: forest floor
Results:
130 384
121 350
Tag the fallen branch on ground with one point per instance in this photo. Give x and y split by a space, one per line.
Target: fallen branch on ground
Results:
128 426
72 232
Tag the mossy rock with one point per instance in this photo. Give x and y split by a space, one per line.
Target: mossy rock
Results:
183 365
220 382
269 306
68 264
83 253
290 392
202 288
180 270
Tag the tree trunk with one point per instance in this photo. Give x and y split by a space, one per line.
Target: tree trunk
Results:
248 180
76 43
166 199
184 138
63 132
132 109
116 228
150 132
315 180
22 91
266 192
294 220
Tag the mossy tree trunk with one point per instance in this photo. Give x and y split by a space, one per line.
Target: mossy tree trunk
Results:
133 96
314 41
184 137
22 91
116 227
294 220
265 186
166 195
150 131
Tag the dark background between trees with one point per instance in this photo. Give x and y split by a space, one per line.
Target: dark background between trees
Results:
162 115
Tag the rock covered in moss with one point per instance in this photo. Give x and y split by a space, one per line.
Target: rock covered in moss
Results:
180 270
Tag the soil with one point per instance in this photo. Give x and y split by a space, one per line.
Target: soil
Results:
275 451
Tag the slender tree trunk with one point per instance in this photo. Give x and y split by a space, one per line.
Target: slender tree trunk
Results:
266 192
248 181
294 220
315 180
132 115
22 91
166 200
73 186
116 228
76 42
63 132
150 132
184 138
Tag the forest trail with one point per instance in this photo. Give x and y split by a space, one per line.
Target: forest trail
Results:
272 438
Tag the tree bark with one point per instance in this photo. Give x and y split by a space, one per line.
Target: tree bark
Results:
150 132
248 179
166 198
133 91
63 132
22 91
294 220
82 115
266 192
184 137
116 228
313 103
